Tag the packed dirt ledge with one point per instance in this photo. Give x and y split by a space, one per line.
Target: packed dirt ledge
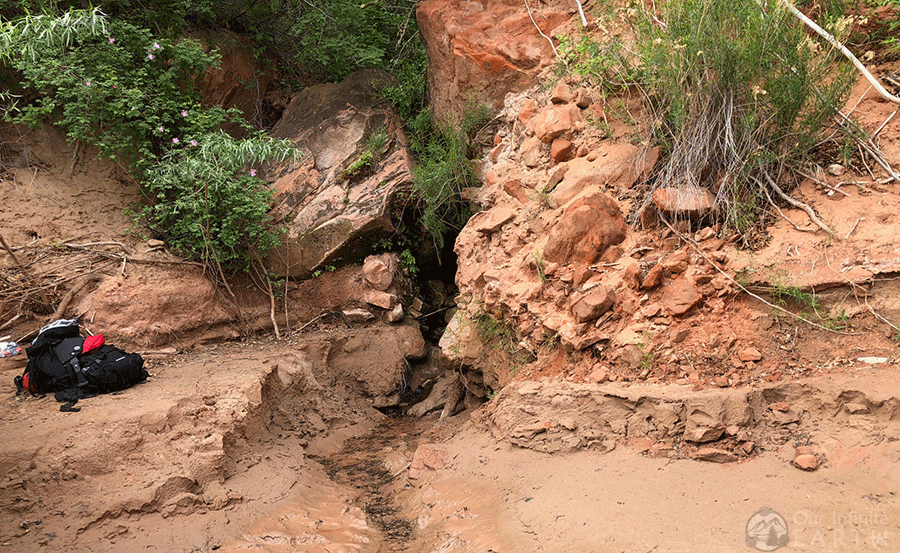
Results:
591 372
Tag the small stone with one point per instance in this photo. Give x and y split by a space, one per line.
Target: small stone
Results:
377 273
654 275
749 354
582 97
357 315
704 234
561 150
703 434
528 110
676 263
747 447
806 461
873 360
380 299
714 455
679 296
721 382
396 314
595 303
693 203
780 406
153 243
835 169
489 222
531 153
599 375
561 94
681 335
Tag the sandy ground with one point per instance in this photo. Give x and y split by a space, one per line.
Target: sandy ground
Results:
621 501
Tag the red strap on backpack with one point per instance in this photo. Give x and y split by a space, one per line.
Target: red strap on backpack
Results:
92 343
25 383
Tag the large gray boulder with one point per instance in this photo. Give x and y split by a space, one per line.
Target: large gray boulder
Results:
335 205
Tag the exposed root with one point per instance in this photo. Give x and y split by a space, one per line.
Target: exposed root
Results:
798 204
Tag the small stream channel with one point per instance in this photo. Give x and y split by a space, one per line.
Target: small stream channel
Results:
361 466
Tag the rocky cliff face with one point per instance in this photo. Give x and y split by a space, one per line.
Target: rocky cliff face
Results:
570 268
480 51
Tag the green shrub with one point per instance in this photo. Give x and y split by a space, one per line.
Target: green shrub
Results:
211 207
737 92
443 171
109 83
133 95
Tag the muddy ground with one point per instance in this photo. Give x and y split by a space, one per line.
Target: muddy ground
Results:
243 447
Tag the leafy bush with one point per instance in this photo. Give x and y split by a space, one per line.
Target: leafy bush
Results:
208 204
328 39
739 94
133 95
109 83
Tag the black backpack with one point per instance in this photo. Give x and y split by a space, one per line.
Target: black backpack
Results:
49 358
57 365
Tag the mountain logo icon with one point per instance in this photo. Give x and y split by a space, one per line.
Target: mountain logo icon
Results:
767 530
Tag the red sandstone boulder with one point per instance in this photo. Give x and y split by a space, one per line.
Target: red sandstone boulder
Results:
482 50
589 224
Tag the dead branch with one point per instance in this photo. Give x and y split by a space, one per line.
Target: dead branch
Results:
886 121
748 292
125 248
856 224
822 183
25 273
314 319
271 294
128 257
9 323
869 147
67 299
781 213
849 55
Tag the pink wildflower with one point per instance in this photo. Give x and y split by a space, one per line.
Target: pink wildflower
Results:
175 140
184 113
149 56
112 40
252 172
193 142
